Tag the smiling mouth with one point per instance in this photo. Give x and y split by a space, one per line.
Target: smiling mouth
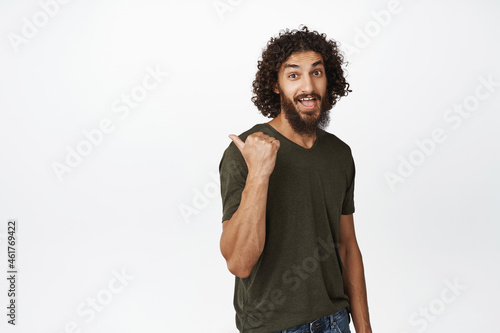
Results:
308 102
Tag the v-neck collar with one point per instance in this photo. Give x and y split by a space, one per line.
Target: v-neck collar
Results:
294 143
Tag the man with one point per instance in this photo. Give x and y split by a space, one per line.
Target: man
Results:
288 198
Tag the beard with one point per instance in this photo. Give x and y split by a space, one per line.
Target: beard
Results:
309 122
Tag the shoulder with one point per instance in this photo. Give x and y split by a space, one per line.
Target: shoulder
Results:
333 141
256 128
341 151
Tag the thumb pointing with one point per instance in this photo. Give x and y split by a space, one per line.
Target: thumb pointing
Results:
237 141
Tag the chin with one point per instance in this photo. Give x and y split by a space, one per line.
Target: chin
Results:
313 113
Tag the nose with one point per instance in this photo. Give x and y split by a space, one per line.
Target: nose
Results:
307 86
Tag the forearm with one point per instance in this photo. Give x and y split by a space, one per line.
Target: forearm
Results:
243 238
355 287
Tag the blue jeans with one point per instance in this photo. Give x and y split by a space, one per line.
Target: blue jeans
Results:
334 323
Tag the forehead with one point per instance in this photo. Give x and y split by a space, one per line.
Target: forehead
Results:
302 59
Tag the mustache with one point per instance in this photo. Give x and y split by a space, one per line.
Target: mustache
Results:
316 96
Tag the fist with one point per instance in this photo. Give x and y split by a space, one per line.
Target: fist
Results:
259 151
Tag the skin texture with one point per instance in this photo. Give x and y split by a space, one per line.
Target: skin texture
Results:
243 236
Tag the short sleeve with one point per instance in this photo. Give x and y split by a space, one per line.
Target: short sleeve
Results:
348 204
233 173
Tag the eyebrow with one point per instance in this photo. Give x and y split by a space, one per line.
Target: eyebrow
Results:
319 62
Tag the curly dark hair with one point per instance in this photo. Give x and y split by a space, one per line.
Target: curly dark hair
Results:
277 52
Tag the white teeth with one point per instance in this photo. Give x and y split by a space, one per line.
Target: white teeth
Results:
306 99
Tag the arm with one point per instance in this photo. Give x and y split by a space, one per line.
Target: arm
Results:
243 236
353 274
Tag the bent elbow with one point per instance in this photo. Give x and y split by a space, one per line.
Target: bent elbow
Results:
238 270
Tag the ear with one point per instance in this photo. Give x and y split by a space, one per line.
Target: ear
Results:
276 89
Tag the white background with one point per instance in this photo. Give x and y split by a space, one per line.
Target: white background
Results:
120 209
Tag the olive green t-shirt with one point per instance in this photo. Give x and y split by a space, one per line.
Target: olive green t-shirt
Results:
298 277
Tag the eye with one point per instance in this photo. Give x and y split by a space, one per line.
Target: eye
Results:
317 72
293 76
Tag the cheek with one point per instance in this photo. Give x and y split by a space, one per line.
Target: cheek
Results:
322 87
290 91
323 82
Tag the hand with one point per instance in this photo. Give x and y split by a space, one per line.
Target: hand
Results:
259 151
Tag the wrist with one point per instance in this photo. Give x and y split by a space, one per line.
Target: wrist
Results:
257 178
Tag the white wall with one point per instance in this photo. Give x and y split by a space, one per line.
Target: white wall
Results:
119 209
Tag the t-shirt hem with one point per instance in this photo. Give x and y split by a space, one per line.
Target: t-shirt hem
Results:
277 327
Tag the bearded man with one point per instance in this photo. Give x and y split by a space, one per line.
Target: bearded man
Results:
287 189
